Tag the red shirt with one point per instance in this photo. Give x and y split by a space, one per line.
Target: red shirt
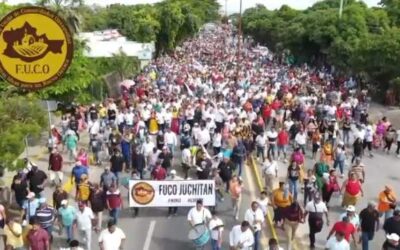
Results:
159 174
267 111
283 138
114 199
38 240
55 162
346 227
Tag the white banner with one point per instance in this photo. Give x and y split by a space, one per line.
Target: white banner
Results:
143 193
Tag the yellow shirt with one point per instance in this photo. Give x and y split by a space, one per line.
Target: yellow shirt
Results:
12 239
280 200
103 112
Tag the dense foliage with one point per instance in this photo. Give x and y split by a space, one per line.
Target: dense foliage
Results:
364 41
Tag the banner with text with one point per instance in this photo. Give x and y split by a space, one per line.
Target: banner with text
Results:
183 193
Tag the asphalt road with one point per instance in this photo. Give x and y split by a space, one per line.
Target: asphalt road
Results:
152 229
381 170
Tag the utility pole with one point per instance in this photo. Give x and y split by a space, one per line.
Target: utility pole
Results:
340 9
226 8
239 42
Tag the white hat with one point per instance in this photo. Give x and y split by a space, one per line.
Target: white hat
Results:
173 171
30 195
350 208
64 202
393 237
313 178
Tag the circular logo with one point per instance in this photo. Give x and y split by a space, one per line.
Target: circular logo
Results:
142 193
36 47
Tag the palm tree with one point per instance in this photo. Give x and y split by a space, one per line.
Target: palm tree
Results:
68 9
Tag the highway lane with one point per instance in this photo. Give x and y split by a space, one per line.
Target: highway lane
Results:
152 229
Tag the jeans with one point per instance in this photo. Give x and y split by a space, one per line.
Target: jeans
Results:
116 173
271 149
346 137
70 232
260 151
114 213
257 239
214 245
339 163
239 166
293 187
365 238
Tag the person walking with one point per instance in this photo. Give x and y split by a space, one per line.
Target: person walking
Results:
173 211
37 180
235 189
58 196
107 179
216 227
391 242
46 216
293 175
369 223
13 235
56 166
387 202
338 242
255 216
392 224
270 173
97 204
67 214
294 215
339 157
112 238
351 190
114 202
281 199
38 238
347 228
315 210
241 237
84 217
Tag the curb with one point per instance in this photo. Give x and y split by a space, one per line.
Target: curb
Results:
296 244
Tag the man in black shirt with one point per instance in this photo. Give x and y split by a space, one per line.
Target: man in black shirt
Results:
93 113
392 225
117 163
369 217
37 180
225 171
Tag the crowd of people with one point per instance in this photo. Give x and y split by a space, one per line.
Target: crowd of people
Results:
202 112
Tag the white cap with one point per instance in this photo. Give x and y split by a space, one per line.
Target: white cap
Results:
351 208
64 202
393 237
173 171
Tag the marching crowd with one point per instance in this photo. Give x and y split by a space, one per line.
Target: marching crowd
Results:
205 110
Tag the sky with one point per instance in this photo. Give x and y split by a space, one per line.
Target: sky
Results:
233 5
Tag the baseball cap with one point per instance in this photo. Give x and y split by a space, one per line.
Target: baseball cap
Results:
64 202
393 237
173 171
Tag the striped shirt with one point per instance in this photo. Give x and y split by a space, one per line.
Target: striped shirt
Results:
45 216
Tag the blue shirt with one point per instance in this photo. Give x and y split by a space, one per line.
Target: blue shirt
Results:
33 205
78 171
67 215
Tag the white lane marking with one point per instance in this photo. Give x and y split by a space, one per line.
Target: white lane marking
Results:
149 235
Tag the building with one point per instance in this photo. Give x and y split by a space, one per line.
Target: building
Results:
107 43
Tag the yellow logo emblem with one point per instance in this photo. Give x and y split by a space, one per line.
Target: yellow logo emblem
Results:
36 47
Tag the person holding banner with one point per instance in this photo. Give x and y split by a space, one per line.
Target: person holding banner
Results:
173 177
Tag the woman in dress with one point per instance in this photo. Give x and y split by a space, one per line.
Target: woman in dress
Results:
352 190
175 120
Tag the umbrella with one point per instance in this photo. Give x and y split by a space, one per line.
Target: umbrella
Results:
127 84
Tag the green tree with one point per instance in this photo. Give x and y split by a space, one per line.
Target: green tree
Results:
20 116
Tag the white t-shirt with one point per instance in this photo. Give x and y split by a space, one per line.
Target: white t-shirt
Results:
251 216
319 207
334 244
270 168
214 223
199 217
84 218
301 138
236 236
111 241
263 205
261 140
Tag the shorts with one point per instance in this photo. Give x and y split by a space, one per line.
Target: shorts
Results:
58 174
282 148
